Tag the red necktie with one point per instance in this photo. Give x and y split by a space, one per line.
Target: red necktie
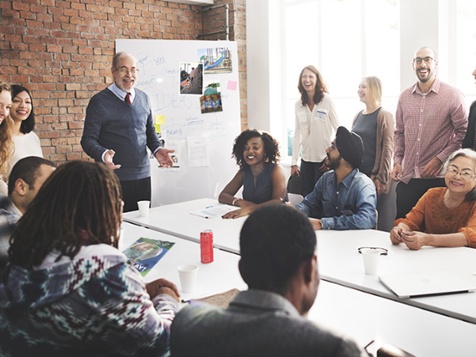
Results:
128 98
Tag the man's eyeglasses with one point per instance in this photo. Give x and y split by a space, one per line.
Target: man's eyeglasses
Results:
419 60
464 174
125 70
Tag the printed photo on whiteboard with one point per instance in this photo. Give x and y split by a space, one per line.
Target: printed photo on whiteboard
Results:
211 102
145 253
215 60
191 78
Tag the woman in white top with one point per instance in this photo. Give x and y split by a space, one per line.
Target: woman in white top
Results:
26 142
316 124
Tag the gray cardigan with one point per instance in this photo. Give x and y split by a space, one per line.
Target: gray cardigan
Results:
127 129
383 157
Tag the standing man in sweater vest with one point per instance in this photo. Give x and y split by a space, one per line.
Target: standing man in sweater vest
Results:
119 128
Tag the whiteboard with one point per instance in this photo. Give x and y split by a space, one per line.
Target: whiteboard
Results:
203 140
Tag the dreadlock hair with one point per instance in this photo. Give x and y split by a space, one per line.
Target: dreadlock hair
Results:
79 204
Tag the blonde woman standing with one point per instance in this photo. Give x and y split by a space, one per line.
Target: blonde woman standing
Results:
375 126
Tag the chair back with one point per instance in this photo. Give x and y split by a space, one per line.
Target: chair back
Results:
295 198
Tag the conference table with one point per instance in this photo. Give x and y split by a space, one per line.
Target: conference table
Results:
359 315
339 260
212 278
365 317
341 263
417 320
177 220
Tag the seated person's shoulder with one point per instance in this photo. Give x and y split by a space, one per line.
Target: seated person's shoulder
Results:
192 313
292 335
326 342
363 178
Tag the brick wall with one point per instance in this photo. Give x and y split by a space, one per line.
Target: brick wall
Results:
62 51
213 21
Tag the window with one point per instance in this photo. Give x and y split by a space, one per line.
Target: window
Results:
346 40
465 47
349 39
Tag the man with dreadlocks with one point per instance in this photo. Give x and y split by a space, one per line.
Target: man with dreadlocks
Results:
67 290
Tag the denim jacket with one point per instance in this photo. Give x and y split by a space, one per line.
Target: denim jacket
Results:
352 204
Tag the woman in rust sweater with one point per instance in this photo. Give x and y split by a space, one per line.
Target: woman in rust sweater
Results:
444 216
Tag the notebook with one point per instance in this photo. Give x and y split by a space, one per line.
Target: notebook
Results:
426 284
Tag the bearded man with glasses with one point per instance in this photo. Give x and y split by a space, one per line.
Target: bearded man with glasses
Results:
431 122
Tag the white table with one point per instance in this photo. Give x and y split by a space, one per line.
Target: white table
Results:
339 259
366 317
359 315
340 262
216 277
176 220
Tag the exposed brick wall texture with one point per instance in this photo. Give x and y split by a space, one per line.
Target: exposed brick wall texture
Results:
62 51
214 25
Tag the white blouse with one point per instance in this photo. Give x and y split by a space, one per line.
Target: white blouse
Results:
314 130
25 145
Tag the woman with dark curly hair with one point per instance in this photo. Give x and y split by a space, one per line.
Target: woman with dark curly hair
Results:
263 180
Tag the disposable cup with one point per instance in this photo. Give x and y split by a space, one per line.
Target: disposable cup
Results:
371 257
143 208
188 277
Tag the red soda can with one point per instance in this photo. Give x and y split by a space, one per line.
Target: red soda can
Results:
206 246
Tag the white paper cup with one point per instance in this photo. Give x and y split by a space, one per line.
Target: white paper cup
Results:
188 277
371 258
143 208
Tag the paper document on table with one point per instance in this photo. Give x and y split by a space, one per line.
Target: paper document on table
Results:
213 211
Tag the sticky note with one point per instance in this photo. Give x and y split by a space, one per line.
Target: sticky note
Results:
159 119
232 85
